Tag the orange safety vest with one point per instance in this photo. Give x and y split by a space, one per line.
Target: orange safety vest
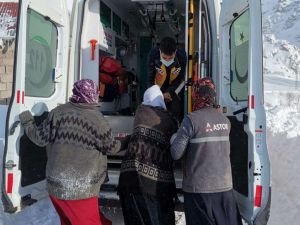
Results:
160 77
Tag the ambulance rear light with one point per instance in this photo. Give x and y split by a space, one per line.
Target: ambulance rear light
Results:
10 180
258 196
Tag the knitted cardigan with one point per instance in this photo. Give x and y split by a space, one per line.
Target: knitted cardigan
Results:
147 166
77 139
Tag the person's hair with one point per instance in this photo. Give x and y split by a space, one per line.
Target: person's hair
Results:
167 46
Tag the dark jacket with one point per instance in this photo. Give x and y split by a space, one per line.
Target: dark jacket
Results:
77 139
154 61
203 141
148 166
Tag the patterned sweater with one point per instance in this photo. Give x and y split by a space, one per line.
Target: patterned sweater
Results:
148 166
77 138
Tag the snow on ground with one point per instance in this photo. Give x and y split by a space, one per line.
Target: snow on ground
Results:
282 99
281 28
283 113
40 213
284 156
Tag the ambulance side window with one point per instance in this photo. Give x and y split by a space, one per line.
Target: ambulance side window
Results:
239 51
41 51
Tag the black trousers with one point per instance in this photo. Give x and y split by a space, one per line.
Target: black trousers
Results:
142 209
211 209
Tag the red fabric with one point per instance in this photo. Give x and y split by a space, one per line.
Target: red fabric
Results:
110 65
79 212
106 78
111 72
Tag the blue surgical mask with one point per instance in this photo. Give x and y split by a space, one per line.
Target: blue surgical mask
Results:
167 63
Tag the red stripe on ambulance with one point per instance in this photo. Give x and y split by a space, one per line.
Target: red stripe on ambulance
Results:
258 196
252 101
10 180
18 96
23 94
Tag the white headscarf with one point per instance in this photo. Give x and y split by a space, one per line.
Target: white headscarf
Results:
154 97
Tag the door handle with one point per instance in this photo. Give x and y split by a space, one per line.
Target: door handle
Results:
13 127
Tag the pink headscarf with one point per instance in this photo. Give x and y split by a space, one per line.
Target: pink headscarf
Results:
85 91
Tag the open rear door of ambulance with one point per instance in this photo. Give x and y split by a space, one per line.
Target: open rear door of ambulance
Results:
240 95
39 80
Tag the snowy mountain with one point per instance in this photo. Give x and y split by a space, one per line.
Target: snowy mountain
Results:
282 65
282 42
281 26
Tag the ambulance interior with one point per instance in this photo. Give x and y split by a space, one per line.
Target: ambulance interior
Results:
142 24
130 29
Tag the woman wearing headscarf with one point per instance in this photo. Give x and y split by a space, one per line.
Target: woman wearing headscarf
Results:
146 183
77 139
203 142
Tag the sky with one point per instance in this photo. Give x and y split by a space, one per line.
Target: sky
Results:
281 23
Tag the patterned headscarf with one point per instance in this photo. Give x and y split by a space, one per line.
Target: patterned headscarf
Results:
203 94
85 91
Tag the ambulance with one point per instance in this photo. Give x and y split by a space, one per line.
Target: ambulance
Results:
47 45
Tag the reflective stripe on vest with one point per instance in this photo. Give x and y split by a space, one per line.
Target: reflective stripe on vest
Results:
161 76
209 139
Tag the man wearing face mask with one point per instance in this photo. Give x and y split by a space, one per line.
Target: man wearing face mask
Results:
166 68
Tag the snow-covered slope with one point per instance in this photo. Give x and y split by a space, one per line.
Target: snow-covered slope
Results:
282 41
281 28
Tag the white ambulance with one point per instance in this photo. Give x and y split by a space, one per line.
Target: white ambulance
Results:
45 48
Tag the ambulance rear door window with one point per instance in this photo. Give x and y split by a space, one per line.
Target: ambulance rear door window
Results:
41 54
239 55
